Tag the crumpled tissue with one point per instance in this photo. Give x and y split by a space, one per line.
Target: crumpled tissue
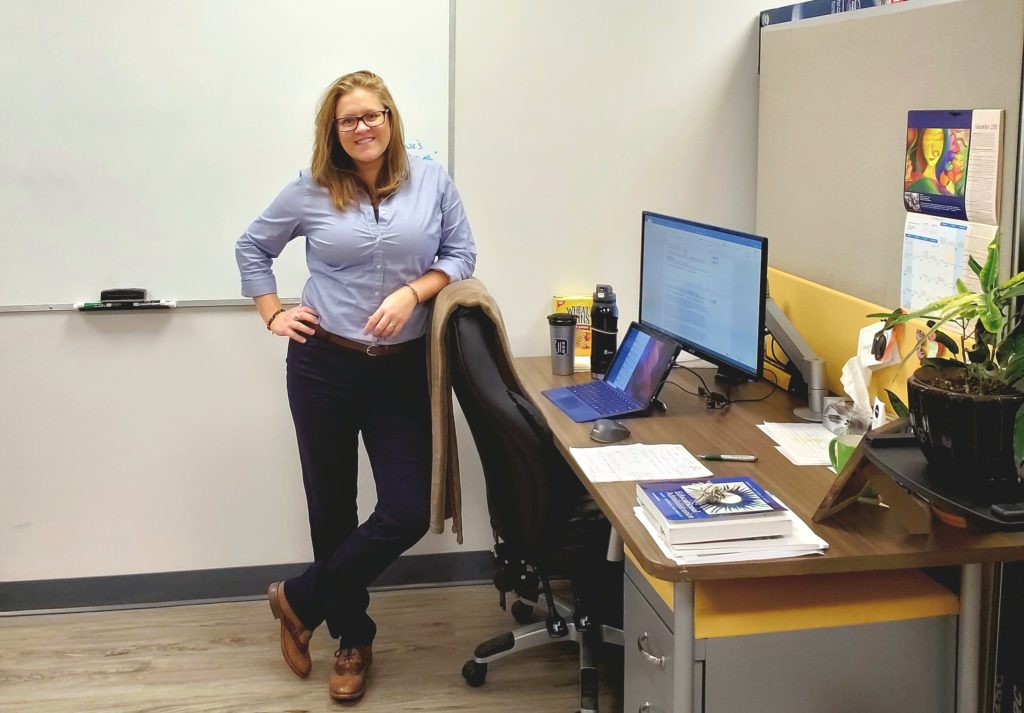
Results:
843 417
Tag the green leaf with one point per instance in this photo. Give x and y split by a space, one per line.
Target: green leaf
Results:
1018 439
1011 349
1012 282
974 265
961 288
947 341
1006 291
897 404
979 354
1013 371
990 270
940 362
990 316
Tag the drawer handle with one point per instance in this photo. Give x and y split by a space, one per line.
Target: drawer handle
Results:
645 708
641 644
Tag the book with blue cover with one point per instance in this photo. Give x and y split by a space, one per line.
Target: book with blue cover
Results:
724 508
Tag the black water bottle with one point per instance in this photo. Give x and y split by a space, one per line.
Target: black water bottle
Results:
604 325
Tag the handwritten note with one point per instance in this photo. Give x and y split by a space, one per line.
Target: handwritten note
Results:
802 443
610 464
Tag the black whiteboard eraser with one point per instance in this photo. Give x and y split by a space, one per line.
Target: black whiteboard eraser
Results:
123 293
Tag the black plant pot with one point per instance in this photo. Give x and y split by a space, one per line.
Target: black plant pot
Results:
967 438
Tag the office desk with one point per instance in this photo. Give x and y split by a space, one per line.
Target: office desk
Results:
861 538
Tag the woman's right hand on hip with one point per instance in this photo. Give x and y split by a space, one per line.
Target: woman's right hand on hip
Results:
295 323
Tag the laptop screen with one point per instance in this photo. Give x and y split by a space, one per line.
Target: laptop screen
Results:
641 363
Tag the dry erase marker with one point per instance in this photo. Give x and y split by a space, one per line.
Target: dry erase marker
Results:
724 456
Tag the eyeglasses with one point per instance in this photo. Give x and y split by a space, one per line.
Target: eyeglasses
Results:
370 119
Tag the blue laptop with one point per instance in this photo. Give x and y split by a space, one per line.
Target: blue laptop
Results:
638 369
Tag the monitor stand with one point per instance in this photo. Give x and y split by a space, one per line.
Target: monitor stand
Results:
730 376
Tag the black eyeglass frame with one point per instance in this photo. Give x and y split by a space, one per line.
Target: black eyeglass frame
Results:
383 112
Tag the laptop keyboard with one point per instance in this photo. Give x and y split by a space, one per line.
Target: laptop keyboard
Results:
603 398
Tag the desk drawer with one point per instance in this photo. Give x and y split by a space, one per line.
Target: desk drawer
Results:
645 679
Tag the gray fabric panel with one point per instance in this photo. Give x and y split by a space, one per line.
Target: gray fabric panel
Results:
834 97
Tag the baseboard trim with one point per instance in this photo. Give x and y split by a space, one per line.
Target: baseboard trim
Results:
232 583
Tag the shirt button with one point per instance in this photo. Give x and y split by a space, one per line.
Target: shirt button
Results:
376 294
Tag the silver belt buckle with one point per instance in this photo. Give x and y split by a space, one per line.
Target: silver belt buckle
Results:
370 349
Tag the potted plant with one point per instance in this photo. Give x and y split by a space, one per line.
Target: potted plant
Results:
966 409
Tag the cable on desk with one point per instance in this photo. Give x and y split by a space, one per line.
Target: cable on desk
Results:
774 384
683 389
695 373
712 399
715 400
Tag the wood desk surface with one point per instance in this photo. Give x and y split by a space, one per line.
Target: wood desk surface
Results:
863 537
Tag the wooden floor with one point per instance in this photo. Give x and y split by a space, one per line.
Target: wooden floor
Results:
226 657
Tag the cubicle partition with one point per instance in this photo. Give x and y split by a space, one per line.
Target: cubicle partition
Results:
832 132
834 97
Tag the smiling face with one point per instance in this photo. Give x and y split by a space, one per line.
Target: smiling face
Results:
366 145
932 141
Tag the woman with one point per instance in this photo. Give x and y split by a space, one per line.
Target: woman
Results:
384 234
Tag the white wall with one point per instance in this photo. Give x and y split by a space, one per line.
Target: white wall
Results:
161 442
572 117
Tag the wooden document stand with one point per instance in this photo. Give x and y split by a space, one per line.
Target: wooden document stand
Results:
912 511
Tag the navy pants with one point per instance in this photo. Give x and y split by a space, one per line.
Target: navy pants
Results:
336 394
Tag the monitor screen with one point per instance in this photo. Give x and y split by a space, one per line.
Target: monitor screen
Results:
705 287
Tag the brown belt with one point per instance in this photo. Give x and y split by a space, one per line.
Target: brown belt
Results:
373 350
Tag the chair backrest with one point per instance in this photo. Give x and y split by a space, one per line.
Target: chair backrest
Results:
530 488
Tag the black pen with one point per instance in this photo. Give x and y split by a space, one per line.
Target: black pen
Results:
724 456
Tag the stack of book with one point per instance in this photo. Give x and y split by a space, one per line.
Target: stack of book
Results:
726 519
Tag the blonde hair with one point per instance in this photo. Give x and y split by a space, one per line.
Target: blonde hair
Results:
334 169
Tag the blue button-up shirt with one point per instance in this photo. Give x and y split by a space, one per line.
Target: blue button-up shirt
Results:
356 260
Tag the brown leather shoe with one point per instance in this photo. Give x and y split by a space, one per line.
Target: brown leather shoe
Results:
294 636
348 681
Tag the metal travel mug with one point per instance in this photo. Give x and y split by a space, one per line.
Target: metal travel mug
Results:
563 343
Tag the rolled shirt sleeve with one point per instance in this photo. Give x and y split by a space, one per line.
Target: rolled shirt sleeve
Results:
456 254
266 237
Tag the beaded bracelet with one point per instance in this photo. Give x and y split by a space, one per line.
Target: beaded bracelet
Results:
273 317
414 291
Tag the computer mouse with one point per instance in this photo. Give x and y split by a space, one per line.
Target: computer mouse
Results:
606 430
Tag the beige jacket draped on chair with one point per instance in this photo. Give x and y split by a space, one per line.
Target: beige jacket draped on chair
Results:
445 490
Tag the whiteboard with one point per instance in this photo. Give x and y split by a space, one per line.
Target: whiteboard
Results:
141 137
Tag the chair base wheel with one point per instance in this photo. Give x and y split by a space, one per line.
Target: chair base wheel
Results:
474 673
522 613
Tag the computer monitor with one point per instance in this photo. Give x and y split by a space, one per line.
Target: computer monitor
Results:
705 287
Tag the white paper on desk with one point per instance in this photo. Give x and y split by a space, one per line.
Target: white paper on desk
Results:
801 542
803 459
639 461
802 443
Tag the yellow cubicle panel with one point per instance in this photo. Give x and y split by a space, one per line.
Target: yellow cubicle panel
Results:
830 322
738 607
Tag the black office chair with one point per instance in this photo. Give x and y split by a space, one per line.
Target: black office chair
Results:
544 521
